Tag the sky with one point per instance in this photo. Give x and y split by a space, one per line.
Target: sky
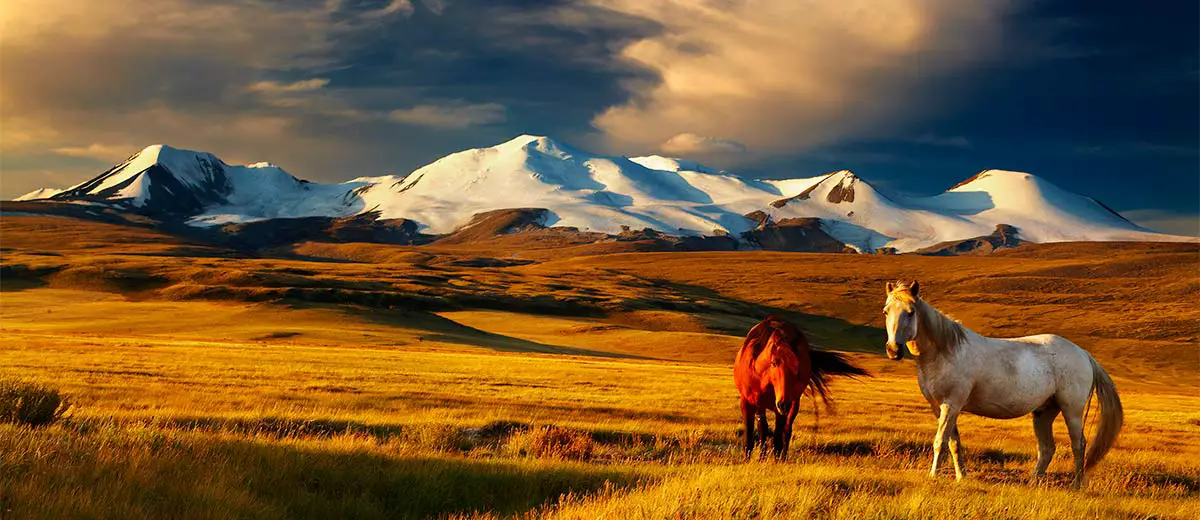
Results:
1099 97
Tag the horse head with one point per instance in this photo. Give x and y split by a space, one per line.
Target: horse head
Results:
782 371
901 314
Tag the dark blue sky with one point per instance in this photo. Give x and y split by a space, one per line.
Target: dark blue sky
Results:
1099 97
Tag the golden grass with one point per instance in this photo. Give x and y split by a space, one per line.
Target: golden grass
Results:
393 382
1131 305
173 423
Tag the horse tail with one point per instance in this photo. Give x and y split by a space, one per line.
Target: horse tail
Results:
1111 415
827 364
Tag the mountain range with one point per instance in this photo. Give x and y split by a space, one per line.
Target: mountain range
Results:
572 188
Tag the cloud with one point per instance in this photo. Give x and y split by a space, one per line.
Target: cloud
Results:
1166 221
784 75
402 7
451 116
689 144
74 69
275 87
103 152
249 80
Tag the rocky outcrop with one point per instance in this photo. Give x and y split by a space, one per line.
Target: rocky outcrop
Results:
1004 236
792 234
664 242
359 228
499 222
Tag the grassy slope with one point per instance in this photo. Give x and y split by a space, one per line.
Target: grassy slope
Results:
200 408
1131 305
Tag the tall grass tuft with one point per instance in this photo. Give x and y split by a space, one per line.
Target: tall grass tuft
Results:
31 403
552 442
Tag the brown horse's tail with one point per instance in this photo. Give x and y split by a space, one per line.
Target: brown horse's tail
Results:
828 364
1111 415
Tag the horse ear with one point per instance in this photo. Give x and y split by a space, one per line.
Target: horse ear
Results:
915 289
890 286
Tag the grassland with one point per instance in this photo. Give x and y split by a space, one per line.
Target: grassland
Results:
335 380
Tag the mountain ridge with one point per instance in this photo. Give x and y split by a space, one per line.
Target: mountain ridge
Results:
607 194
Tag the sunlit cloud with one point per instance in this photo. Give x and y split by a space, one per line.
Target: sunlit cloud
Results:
692 144
103 152
275 87
786 75
454 116
77 77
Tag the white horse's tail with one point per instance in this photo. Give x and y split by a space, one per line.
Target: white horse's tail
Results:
1111 415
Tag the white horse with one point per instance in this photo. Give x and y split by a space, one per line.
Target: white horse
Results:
959 370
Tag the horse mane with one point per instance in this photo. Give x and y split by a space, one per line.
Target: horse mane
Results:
936 331
773 325
789 355
756 339
823 364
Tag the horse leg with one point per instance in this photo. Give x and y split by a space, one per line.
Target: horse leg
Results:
748 418
780 436
791 420
764 432
956 451
947 422
937 414
1043 427
1078 444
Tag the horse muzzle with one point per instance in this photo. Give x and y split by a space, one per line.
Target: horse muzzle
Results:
894 352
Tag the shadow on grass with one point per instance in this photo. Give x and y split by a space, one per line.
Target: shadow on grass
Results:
735 317
143 474
446 330
290 427
19 277
322 485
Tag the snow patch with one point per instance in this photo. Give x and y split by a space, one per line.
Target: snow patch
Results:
38 194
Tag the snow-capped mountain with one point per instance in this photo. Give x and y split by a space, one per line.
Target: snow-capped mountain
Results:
856 213
583 190
162 180
605 193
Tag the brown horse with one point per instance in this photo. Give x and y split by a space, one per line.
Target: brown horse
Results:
774 368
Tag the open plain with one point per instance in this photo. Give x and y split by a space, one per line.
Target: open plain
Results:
499 378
